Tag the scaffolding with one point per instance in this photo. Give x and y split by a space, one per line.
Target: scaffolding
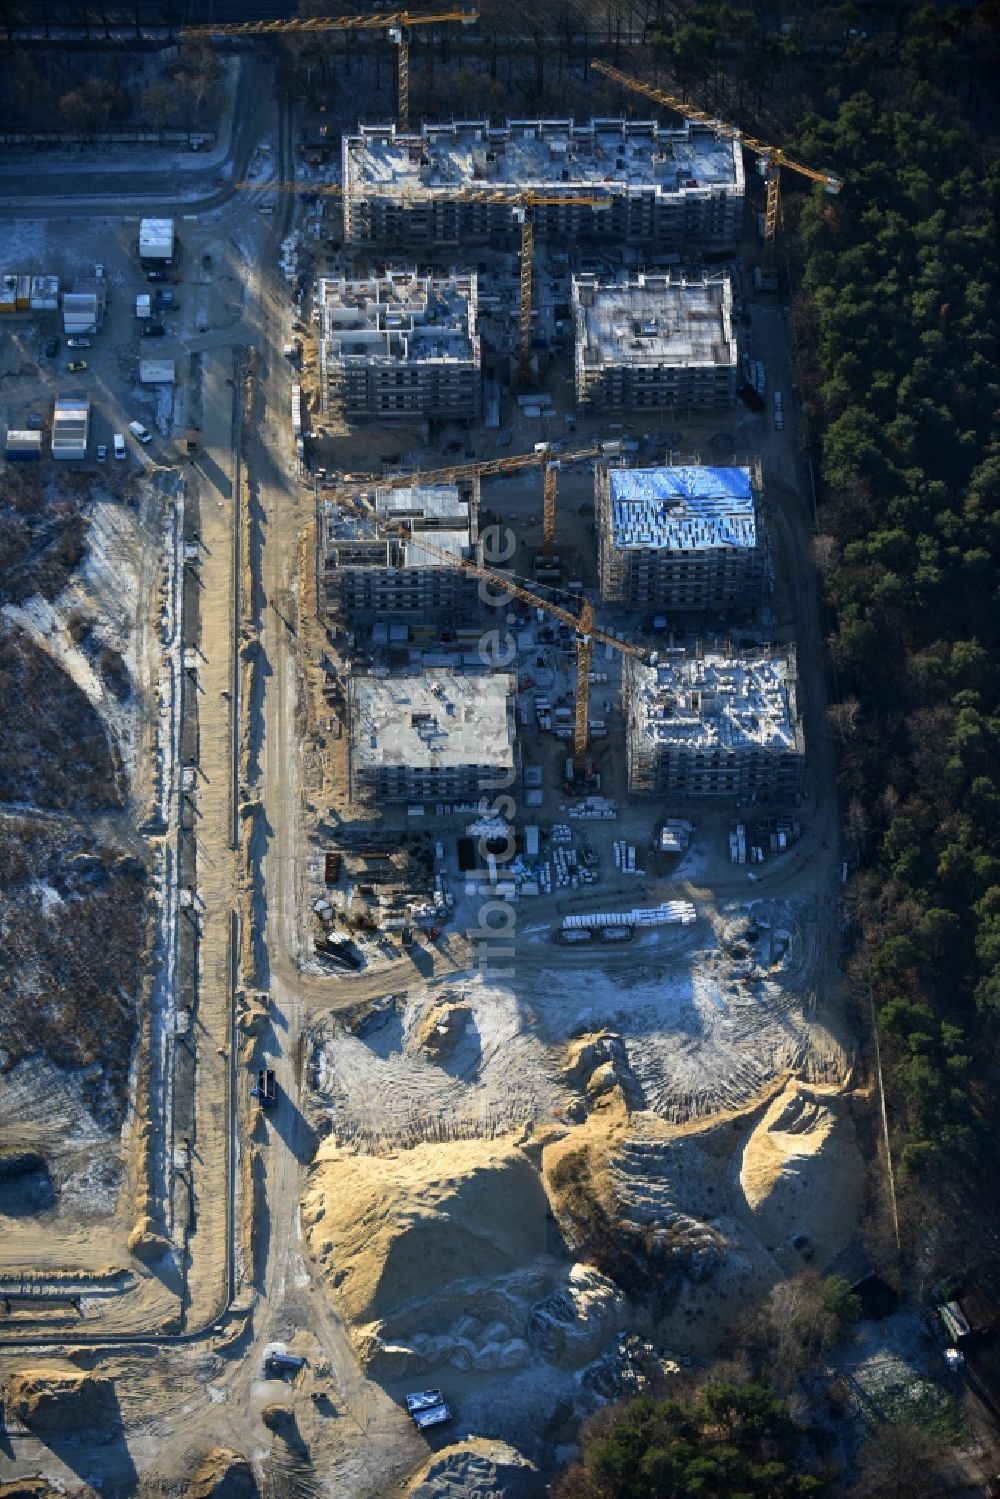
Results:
682 537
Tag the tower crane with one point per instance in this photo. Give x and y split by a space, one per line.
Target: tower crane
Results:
773 157
523 201
584 629
397 25
542 457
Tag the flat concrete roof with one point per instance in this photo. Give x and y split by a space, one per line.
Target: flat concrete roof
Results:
733 703
656 320
399 318
433 501
432 720
614 154
683 508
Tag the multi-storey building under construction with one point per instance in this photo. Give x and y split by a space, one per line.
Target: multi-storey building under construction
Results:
431 735
714 723
676 187
376 565
400 347
682 537
654 343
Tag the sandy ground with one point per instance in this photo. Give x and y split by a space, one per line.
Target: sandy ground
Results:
406 1209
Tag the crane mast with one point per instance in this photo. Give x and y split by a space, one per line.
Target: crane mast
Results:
773 157
396 23
582 625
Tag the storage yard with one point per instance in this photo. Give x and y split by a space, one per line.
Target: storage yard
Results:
436 652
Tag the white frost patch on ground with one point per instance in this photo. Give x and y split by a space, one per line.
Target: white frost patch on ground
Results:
706 1025
384 1087
47 896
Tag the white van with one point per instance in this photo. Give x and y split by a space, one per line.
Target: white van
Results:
118 441
139 432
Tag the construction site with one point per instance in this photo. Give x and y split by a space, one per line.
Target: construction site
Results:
400 347
655 343
681 187
469 1058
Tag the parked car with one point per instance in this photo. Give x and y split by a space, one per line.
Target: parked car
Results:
78 343
118 442
102 452
76 365
52 348
139 432
153 330
157 276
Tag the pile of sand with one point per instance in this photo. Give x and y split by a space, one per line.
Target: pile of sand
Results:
476 1467
442 1029
61 1400
406 1226
800 1168
223 1474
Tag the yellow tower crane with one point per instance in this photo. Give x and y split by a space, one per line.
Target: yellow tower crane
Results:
523 201
541 457
582 625
773 157
397 25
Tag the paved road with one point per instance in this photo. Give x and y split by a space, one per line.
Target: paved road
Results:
86 192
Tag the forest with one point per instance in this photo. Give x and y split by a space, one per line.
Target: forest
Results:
897 326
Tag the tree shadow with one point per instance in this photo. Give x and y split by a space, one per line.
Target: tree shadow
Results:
260 836
261 669
293 1129
214 475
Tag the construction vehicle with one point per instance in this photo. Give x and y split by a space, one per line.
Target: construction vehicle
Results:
397 25
772 158
582 626
541 456
264 1089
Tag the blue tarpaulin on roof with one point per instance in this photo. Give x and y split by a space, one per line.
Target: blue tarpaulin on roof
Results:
686 507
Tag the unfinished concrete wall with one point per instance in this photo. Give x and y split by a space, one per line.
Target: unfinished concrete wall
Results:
673 187
654 343
714 724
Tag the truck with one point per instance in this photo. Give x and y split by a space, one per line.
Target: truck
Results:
264 1088
277 1363
157 243
428 1408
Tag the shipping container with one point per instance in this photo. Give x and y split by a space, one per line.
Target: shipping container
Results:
23 447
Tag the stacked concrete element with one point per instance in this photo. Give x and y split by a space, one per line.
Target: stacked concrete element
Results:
374 565
70 426
655 343
401 347
682 537
714 724
431 735
675 187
